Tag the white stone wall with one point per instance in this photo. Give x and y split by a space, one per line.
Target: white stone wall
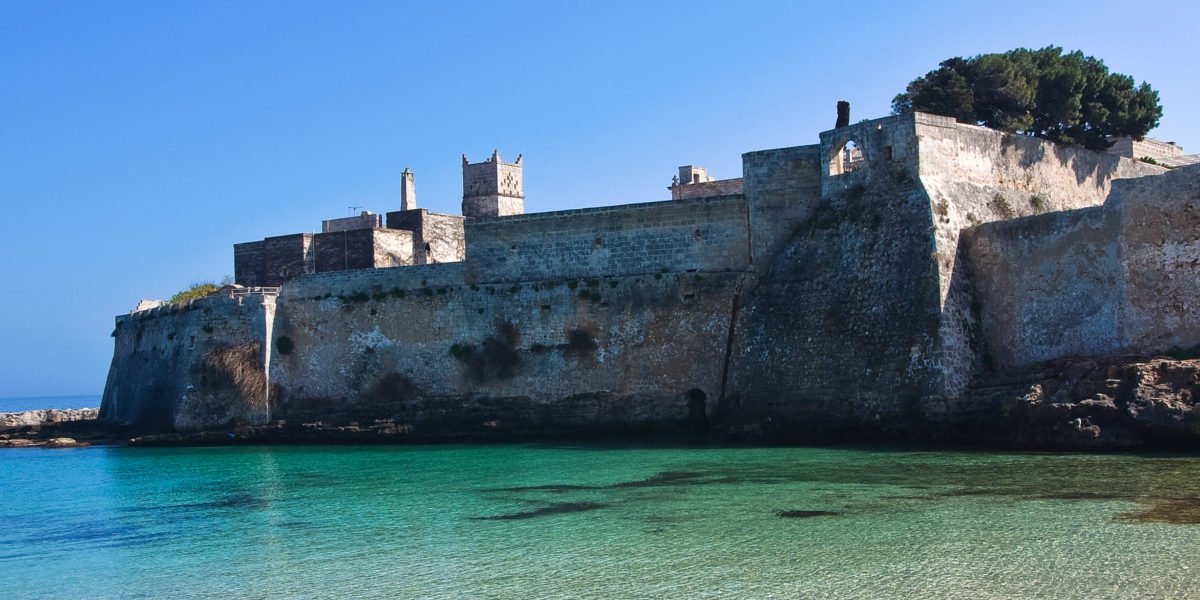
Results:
393 248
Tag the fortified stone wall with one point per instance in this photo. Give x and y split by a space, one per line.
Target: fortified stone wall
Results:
1047 286
878 310
782 188
585 355
193 366
708 234
824 298
347 283
1116 279
977 175
835 330
1160 259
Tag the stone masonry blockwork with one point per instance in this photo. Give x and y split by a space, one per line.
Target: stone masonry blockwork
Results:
826 296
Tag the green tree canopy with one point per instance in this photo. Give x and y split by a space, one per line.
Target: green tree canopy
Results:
1066 98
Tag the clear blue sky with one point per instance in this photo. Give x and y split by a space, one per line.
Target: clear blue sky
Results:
140 140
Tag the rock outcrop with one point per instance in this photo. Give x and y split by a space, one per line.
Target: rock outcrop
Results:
31 418
1091 404
57 428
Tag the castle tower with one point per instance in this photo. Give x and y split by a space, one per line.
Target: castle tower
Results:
408 191
492 188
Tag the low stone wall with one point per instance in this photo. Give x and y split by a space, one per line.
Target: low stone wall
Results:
718 187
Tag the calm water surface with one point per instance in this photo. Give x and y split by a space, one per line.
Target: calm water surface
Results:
22 404
594 521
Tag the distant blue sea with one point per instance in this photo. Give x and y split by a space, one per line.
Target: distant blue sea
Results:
594 521
18 404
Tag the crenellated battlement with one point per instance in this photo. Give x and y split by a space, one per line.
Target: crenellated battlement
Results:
493 188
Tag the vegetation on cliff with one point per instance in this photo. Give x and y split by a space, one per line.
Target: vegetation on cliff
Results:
198 289
1066 98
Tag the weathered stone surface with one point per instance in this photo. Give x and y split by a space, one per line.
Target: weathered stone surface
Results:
823 302
80 426
1121 278
437 238
41 417
493 188
364 220
62 443
706 189
834 331
704 234
1088 404
168 372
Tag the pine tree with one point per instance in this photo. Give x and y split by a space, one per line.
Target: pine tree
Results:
1066 98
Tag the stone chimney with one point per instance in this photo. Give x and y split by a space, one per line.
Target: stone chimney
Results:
408 191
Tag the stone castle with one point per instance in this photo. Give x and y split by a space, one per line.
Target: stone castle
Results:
862 284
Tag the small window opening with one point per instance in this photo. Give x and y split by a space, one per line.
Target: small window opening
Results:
695 178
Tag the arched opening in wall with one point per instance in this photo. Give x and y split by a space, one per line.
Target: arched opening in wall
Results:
847 157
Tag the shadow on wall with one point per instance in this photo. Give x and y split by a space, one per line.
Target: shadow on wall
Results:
962 340
1087 164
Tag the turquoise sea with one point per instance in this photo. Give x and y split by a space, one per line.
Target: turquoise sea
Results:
595 521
